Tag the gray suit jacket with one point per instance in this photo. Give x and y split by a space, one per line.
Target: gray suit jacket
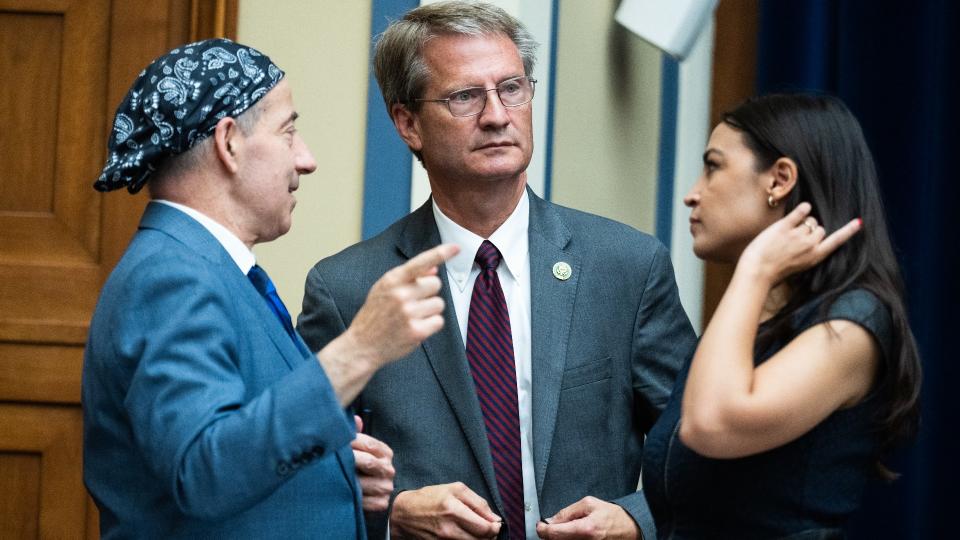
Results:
607 345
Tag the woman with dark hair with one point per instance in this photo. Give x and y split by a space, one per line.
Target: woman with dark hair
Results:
808 372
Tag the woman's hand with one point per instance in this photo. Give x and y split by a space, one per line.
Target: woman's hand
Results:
792 244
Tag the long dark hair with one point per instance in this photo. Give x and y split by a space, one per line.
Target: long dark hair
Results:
836 174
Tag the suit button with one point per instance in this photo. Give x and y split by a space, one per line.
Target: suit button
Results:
283 469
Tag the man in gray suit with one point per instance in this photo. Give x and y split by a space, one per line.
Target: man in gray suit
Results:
583 311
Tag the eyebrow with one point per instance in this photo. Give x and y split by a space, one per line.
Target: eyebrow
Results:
711 151
292 118
468 87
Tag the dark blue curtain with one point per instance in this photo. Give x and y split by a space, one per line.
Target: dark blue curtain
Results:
895 64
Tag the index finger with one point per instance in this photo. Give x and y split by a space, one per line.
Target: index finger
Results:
424 262
477 503
369 465
837 239
559 531
573 512
372 446
475 523
798 214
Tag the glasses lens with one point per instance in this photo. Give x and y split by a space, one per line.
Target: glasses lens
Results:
516 92
470 101
466 102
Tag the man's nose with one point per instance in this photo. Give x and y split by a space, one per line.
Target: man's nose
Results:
494 112
306 163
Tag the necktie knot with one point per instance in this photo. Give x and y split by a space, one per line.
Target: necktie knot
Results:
261 281
488 256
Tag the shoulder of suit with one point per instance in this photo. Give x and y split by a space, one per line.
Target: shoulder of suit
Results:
602 230
158 264
162 254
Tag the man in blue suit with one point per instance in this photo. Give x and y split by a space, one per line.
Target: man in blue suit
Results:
205 416
564 333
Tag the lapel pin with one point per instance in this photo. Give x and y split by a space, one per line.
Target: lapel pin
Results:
562 271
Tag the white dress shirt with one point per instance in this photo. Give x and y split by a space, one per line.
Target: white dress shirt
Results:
514 274
237 250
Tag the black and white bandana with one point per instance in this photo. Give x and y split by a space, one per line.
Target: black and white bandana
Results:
177 101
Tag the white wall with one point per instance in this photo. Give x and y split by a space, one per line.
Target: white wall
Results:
323 46
607 116
693 118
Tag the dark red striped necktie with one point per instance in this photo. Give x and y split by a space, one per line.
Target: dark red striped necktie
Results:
490 353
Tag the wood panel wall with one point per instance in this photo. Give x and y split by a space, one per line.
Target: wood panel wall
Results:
66 64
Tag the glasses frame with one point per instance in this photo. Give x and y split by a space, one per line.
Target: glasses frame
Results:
449 98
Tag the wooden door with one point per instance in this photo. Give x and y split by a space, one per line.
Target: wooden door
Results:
734 74
64 67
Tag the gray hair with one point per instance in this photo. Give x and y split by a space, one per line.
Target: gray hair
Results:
398 56
191 160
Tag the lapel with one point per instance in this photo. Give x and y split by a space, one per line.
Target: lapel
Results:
274 328
194 236
445 350
551 311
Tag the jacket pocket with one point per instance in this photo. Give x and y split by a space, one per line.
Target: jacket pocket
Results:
586 374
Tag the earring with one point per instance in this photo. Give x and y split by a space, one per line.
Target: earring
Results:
771 202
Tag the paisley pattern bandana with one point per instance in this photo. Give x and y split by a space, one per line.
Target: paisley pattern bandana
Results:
177 101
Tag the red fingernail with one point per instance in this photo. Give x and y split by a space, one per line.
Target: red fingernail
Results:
860 222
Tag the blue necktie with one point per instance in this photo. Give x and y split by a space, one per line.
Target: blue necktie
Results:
261 281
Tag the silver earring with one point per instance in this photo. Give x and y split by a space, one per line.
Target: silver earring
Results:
771 202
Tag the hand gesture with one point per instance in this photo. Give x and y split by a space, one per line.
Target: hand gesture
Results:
444 511
402 308
590 518
374 462
793 243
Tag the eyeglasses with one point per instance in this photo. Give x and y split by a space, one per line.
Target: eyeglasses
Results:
471 101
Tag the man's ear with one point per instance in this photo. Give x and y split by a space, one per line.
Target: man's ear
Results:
408 125
227 140
782 178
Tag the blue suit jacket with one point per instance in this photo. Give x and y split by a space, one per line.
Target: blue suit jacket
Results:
607 344
201 417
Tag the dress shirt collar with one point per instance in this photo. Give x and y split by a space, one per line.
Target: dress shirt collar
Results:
510 238
237 250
